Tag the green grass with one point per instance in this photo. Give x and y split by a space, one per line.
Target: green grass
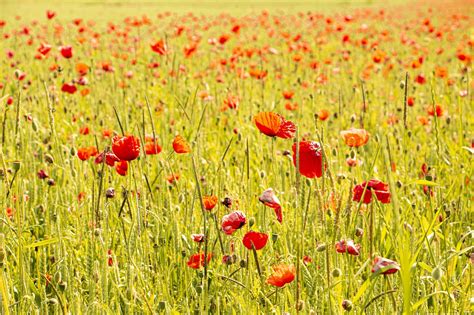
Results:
54 248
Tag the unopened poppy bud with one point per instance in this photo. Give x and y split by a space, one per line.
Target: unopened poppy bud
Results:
409 133
347 305
73 151
227 202
353 118
16 165
352 154
262 174
437 273
321 248
51 182
62 285
110 193
336 273
286 153
52 301
334 152
274 237
243 263
251 221
359 232
448 120
402 85
48 158
399 184
408 227
300 305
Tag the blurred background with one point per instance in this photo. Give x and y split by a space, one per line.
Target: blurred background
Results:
111 9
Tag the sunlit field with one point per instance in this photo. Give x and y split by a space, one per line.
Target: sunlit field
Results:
228 157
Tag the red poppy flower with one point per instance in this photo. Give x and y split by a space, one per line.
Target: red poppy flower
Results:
197 261
66 51
282 274
50 14
437 111
232 222
382 263
355 137
44 49
180 145
209 202
348 247
259 240
269 199
151 147
126 148
121 167
172 178
274 125
159 47
379 188
311 160
288 95
198 238
110 158
69 88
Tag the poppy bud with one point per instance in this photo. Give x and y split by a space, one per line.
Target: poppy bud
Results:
399 184
52 301
251 221
62 285
334 152
73 152
437 273
51 182
262 174
243 263
321 248
359 232
227 202
409 133
48 158
16 165
300 305
336 273
448 120
110 193
274 237
353 118
402 85
347 305
408 227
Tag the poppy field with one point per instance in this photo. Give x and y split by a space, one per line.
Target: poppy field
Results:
287 159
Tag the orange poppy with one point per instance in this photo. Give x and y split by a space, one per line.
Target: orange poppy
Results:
274 125
323 114
282 274
355 137
82 69
180 145
151 146
209 202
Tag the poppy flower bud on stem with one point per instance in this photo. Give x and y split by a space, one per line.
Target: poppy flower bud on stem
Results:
16 165
336 273
347 305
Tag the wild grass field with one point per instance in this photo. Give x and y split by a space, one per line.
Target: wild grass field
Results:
222 157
